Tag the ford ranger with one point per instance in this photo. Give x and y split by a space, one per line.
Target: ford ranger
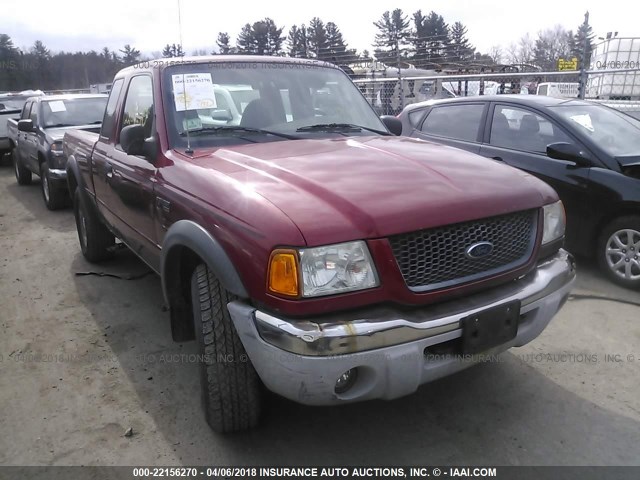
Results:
36 138
304 246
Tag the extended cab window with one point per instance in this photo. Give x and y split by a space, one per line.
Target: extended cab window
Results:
109 113
138 107
460 122
521 129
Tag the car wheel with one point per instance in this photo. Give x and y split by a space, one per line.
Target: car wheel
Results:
23 174
618 251
231 388
54 198
95 238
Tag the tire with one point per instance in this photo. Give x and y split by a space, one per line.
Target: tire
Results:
618 251
23 174
95 238
54 198
231 388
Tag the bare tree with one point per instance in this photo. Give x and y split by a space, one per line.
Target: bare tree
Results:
521 52
496 54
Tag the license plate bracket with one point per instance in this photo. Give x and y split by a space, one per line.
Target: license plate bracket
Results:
490 328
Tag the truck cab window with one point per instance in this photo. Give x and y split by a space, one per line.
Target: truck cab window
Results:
138 107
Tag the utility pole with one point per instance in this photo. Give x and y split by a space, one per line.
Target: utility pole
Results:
400 88
583 70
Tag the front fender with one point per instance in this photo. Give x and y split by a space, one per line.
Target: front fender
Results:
186 233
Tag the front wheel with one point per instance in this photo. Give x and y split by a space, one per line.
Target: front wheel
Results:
23 174
54 198
619 251
231 388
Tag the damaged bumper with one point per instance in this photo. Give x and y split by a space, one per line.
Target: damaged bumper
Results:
389 348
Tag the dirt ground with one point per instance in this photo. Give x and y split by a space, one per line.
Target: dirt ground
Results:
83 358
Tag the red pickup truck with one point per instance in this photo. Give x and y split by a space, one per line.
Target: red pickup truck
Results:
304 246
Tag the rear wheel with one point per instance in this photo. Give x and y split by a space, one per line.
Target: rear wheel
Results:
231 388
619 251
23 174
54 198
95 238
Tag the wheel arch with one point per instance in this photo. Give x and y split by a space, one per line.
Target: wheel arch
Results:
185 246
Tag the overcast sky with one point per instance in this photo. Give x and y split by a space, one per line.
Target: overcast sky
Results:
148 25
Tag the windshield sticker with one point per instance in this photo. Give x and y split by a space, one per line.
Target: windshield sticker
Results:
57 106
192 91
584 121
191 124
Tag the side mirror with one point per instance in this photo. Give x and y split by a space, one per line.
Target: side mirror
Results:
132 139
224 115
393 124
25 125
568 151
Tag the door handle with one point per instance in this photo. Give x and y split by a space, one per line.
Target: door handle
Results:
498 159
108 171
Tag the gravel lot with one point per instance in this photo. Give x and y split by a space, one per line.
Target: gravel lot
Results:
84 358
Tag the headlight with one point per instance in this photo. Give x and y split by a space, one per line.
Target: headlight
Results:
344 267
554 222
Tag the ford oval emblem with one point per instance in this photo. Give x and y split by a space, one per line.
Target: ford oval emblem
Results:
479 250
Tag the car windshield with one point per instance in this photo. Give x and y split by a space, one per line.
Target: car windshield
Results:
616 133
223 103
69 112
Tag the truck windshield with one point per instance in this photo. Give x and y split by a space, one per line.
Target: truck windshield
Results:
269 100
69 112
616 133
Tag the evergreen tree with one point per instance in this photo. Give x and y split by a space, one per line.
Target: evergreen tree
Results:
461 50
437 39
172 50
585 32
130 55
298 42
393 32
337 47
261 38
317 41
223 43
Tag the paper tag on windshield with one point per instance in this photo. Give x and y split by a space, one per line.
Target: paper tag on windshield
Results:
193 91
584 121
57 106
191 124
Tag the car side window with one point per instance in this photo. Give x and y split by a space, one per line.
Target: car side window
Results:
521 129
415 116
460 122
26 111
109 112
138 107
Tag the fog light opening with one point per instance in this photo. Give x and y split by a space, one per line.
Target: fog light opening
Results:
346 380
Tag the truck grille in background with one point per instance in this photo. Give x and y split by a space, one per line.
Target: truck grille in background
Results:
435 258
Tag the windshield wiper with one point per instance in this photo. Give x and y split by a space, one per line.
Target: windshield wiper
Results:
236 128
324 127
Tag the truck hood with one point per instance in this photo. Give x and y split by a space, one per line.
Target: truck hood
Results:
342 189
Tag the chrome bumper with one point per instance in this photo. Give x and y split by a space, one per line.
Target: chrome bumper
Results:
382 327
301 359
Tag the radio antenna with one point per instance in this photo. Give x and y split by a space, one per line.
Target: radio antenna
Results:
189 150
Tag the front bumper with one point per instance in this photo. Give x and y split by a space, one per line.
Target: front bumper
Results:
302 359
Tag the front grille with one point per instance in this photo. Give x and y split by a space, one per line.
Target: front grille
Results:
436 258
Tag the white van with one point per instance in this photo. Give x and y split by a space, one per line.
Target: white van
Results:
558 89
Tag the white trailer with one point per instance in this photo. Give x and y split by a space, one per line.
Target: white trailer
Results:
614 54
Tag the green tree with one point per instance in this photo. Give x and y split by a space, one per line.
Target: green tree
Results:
461 50
551 45
584 32
172 50
130 55
223 43
317 41
263 37
393 32
298 42
337 49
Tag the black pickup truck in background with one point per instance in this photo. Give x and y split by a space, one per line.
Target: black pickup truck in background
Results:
37 139
10 107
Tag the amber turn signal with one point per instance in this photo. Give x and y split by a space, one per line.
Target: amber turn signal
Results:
283 273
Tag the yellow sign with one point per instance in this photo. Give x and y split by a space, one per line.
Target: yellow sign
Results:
571 64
